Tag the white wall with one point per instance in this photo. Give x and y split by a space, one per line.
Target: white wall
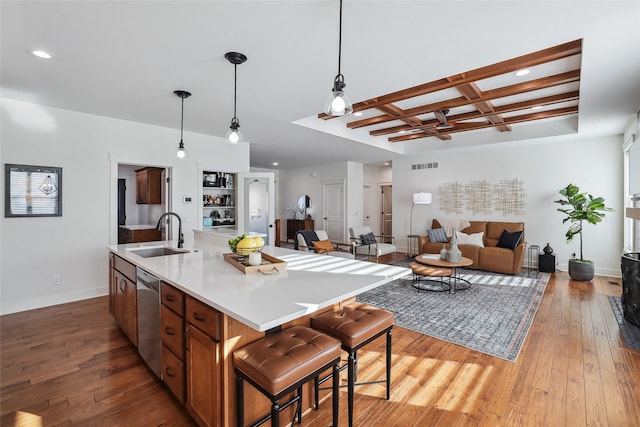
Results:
88 148
295 182
594 165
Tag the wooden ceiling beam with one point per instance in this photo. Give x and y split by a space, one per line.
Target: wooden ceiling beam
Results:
511 65
508 120
472 92
502 109
519 88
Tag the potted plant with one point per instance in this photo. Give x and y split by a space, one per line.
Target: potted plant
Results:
580 207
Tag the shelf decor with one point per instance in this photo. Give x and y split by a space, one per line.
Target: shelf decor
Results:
32 191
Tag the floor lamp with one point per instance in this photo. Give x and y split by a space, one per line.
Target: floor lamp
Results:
418 199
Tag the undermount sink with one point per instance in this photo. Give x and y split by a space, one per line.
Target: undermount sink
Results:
157 251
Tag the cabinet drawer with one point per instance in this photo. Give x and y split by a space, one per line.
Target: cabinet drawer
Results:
173 373
125 267
172 331
172 298
207 319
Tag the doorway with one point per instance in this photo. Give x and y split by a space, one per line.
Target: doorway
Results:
386 209
333 209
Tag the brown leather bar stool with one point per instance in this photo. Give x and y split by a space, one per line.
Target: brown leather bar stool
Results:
355 325
278 364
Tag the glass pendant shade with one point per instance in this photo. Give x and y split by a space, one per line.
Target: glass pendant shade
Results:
233 134
338 104
181 153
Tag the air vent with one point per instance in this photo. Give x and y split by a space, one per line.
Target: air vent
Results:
419 166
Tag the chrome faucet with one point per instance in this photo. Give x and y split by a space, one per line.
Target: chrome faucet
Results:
160 225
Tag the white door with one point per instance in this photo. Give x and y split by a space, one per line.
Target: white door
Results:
333 210
256 204
369 206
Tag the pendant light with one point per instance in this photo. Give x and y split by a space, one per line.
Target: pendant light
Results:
181 153
233 135
339 103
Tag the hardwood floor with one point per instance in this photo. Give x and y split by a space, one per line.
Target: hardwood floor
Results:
69 365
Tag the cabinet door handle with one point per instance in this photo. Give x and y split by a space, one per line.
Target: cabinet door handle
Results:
170 372
169 298
169 331
198 316
123 285
186 339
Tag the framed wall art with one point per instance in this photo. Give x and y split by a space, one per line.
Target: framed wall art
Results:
32 191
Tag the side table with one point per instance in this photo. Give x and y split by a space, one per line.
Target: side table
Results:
547 263
412 245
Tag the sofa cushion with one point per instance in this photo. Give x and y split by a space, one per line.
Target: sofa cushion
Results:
474 239
509 240
323 246
368 239
437 235
494 231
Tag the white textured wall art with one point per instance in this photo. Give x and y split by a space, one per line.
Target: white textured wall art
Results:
481 197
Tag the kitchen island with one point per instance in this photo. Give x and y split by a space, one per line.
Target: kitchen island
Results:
247 305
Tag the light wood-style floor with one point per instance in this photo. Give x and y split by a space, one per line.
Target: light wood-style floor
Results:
69 365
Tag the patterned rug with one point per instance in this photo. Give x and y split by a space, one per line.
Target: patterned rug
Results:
493 316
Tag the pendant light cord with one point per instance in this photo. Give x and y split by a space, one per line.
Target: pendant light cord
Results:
182 120
340 40
235 89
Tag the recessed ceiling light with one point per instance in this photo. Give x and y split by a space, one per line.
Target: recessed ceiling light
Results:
42 54
521 73
275 163
386 163
358 113
536 107
402 131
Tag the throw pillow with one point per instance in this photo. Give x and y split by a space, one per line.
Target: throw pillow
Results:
437 235
368 239
473 239
509 240
323 246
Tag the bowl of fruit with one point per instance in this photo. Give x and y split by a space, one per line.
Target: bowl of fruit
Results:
244 244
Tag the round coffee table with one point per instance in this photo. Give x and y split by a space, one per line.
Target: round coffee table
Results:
456 282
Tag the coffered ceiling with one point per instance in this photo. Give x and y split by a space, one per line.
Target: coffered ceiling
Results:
478 99
402 61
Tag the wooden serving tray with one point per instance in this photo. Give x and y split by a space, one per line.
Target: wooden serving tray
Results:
269 265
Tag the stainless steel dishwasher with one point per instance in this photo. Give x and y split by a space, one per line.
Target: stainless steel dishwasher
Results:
149 346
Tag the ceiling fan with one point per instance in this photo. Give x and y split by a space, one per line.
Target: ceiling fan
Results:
441 116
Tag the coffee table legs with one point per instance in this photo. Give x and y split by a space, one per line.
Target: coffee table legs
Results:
459 284
431 285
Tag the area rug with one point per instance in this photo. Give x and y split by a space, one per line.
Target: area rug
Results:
629 331
493 316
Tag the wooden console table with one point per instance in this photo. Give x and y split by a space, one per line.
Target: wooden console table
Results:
295 225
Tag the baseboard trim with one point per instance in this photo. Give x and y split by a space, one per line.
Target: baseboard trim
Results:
8 307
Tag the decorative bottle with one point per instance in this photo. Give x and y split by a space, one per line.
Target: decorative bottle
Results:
547 249
454 254
443 252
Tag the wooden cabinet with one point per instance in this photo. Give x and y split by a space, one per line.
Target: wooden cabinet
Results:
127 235
125 300
202 360
149 186
172 337
295 225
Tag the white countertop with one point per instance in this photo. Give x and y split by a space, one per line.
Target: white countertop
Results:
310 282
